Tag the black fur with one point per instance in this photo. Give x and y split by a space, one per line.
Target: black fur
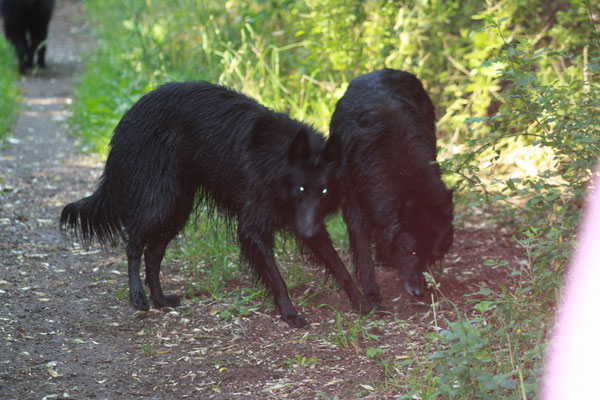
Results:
190 142
26 27
395 199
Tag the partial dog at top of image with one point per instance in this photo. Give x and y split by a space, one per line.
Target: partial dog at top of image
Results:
189 142
395 198
26 28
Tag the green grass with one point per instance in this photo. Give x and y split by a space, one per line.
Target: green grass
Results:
301 361
11 95
211 263
352 331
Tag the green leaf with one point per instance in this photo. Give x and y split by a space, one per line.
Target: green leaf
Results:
484 306
374 353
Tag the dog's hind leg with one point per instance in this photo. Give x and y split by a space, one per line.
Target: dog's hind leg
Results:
137 297
155 251
38 35
360 244
259 254
321 246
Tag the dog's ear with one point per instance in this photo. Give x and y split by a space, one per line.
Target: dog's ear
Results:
299 148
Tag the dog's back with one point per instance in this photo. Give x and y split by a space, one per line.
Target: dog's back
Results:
386 124
394 84
382 101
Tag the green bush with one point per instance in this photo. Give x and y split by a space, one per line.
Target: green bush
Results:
10 98
548 124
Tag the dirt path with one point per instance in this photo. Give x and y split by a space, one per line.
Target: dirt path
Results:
66 330
47 322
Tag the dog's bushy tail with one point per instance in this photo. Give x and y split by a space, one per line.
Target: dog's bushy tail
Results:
91 218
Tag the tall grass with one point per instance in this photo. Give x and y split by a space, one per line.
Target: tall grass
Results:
142 44
10 94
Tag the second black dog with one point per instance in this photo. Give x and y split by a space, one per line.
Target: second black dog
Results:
395 198
187 142
26 27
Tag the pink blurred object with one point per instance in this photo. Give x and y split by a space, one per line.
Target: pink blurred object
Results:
573 362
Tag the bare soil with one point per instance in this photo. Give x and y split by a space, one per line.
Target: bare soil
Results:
67 331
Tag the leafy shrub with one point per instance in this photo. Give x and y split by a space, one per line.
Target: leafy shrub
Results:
9 100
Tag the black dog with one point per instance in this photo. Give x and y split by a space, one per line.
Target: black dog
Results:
188 142
385 125
26 27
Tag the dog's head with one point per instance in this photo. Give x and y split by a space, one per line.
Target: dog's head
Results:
428 236
302 169
313 181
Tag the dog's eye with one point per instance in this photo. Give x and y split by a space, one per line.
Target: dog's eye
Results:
324 191
301 188
413 253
